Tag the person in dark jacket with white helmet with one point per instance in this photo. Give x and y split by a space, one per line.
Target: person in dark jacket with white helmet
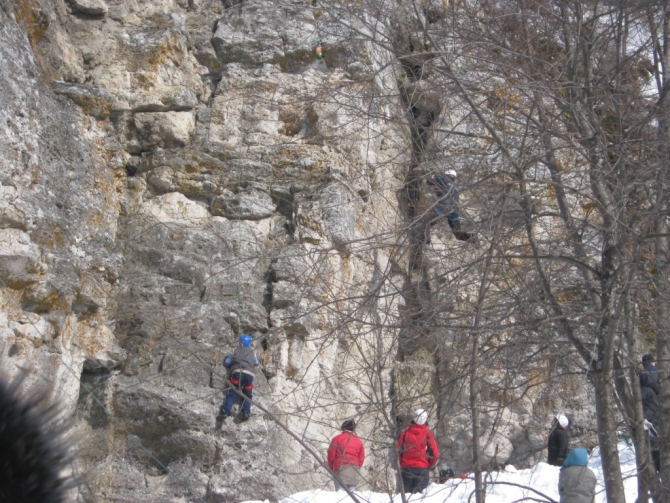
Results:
557 445
241 365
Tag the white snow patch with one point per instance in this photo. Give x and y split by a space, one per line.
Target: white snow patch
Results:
502 487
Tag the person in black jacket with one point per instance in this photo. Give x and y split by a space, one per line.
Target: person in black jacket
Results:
649 389
241 366
650 406
557 445
649 376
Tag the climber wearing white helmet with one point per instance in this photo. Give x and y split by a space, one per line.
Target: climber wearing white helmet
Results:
557 445
448 196
417 453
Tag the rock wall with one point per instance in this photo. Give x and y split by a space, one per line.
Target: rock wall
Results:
177 172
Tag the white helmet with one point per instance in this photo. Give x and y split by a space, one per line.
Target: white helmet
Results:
451 173
562 420
420 416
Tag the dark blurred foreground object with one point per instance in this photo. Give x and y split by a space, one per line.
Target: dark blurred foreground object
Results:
32 452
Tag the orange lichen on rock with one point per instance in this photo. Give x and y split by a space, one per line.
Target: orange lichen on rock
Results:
32 15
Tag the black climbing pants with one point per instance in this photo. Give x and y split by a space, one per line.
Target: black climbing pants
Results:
414 480
454 221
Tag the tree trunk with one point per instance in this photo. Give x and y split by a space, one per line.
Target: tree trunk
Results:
631 409
607 439
474 393
661 261
480 493
663 353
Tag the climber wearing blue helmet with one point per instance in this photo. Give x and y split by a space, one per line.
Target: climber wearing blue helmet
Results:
241 366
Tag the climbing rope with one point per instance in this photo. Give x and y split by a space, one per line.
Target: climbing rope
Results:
238 278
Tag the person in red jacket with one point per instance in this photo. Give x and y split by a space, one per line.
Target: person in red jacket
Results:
345 457
417 453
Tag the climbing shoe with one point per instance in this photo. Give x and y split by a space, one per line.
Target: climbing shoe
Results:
220 419
244 416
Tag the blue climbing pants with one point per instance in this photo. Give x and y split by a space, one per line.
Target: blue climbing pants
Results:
241 384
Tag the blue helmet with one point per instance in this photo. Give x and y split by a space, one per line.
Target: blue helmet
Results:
245 340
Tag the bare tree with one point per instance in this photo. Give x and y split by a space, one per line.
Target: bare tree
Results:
548 112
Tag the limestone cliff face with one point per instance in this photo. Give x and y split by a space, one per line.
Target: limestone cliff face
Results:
177 172
172 176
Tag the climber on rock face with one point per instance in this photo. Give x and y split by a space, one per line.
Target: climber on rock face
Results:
241 366
448 196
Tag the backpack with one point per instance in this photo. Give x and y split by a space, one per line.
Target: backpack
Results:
446 474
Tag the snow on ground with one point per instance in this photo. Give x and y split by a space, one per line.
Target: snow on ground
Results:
542 478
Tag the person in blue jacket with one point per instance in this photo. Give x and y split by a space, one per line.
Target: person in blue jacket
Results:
241 365
577 482
448 197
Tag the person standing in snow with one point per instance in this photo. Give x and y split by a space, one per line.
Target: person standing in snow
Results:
649 374
557 445
417 453
241 366
345 457
577 482
650 406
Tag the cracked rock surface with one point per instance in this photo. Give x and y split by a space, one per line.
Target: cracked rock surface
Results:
174 173
171 178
